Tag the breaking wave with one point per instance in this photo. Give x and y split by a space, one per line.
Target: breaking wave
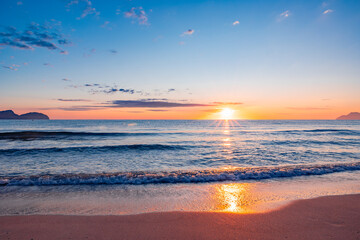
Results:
200 176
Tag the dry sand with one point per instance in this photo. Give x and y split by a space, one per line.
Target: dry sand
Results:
333 217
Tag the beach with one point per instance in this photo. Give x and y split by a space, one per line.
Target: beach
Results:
179 120
330 217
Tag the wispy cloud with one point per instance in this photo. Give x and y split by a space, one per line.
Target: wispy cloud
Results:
152 104
87 10
157 110
73 100
139 14
284 15
34 36
13 67
107 25
328 11
99 88
154 99
76 108
235 23
188 32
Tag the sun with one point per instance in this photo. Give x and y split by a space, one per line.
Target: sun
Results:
227 114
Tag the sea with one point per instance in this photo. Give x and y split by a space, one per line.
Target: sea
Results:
116 167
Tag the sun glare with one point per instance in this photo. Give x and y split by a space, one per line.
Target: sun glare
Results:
227 114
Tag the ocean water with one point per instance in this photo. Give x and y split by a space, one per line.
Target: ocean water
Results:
128 160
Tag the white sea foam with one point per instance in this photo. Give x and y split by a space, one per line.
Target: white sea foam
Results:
201 176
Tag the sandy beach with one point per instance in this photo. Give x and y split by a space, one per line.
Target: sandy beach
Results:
331 217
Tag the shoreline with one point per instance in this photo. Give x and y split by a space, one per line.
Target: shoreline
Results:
329 217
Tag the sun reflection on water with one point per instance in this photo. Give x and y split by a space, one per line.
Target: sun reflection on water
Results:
233 197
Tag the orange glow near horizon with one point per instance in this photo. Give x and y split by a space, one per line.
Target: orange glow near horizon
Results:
227 114
221 113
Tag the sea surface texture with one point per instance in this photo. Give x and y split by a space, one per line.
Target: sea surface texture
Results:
96 152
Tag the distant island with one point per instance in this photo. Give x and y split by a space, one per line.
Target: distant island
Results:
9 114
350 116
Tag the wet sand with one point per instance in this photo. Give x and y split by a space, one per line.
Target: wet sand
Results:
331 217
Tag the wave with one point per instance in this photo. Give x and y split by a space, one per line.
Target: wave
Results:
201 176
94 149
323 130
311 142
45 135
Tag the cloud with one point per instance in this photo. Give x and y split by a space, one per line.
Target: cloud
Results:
87 10
64 42
152 104
154 99
328 11
235 23
80 108
188 32
13 67
143 103
157 110
98 88
284 15
105 25
72 100
34 36
139 14
122 90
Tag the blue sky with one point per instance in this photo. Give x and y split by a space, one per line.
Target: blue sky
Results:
274 59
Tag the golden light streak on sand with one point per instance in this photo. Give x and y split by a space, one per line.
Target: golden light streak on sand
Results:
234 197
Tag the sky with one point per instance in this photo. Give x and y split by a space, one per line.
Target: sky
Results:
158 59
